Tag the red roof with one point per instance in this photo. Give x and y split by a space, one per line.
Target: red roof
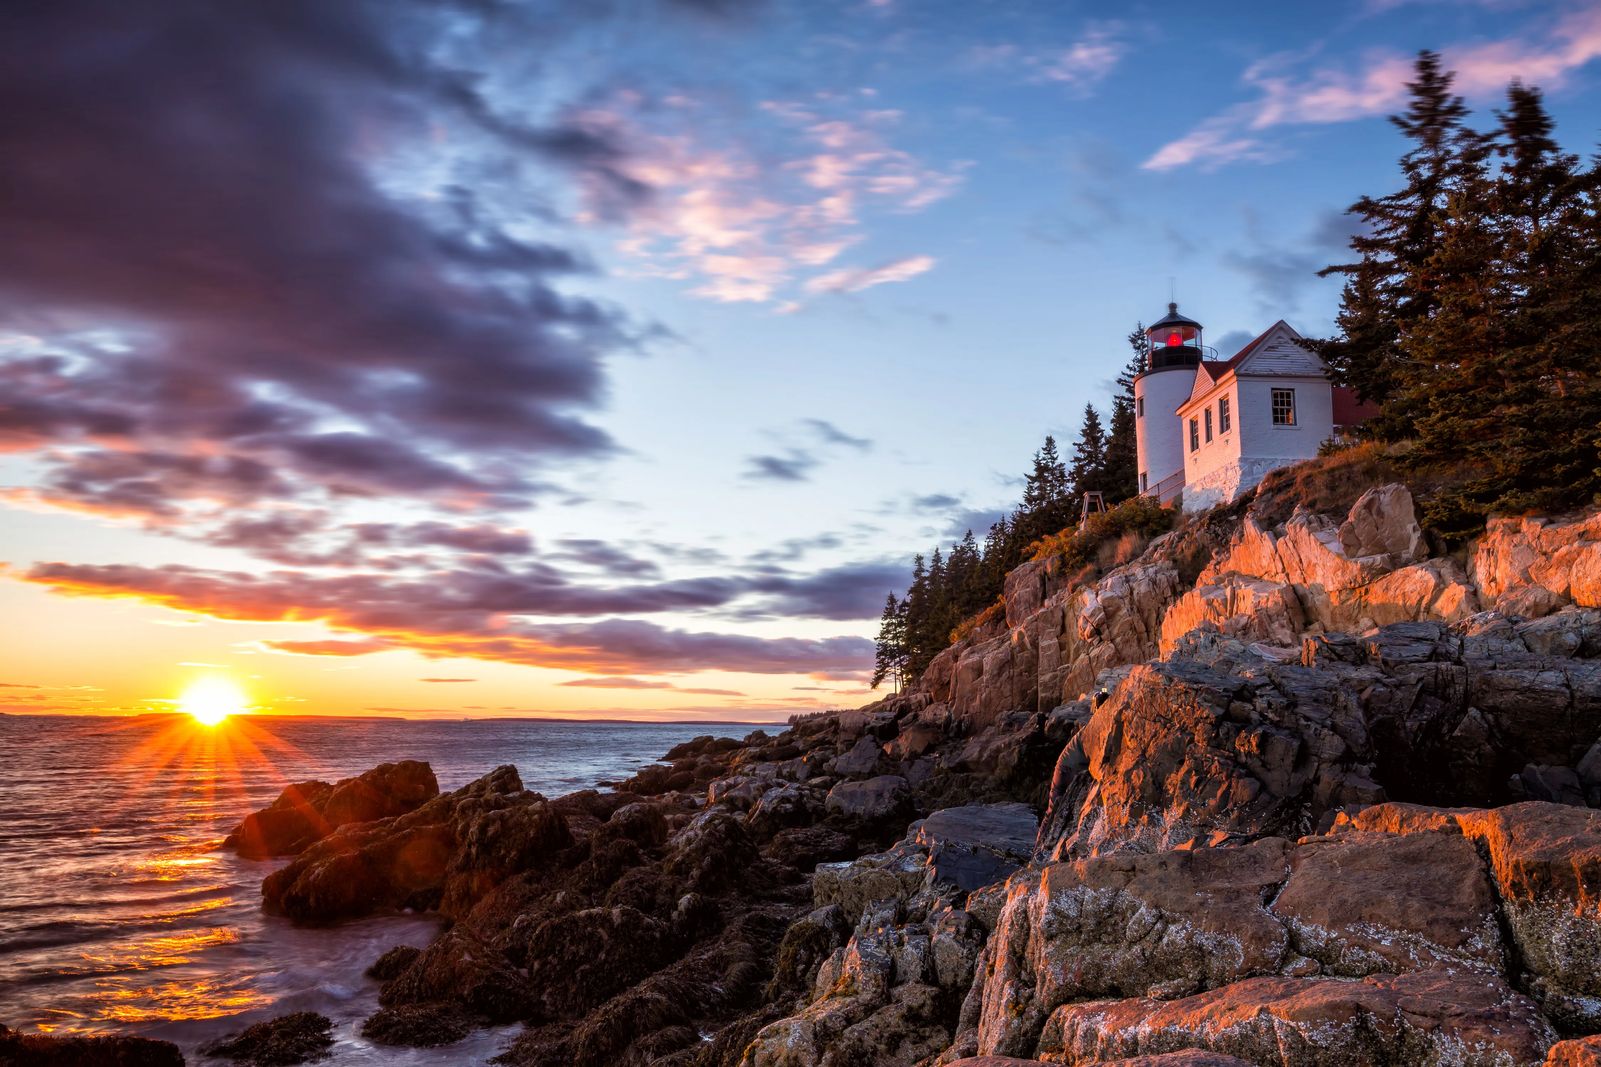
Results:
1214 368
1348 410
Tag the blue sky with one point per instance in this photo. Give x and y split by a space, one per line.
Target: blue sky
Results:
614 359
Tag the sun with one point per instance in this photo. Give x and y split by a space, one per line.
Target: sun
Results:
212 699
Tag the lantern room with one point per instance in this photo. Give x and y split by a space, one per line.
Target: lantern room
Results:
1173 341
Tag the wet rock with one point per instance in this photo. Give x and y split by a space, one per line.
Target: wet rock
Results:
463 968
804 847
394 962
407 861
1421 1017
416 1025
578 960
45 1050
494 843
308 811
289 1039
877 800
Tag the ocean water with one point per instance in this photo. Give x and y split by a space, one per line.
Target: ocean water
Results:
118 911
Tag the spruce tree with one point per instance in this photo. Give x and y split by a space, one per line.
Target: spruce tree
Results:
889 661
1122 474
1390 290
1089 457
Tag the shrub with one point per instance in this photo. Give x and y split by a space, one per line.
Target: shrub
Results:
982 619
1124 530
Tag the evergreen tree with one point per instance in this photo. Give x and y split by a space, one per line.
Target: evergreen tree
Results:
1089 456
1047 499
1122 474
889 661
1517 406
1391 290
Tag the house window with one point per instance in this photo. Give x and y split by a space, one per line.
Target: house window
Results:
1208 425
1223 414
1143 486
1139 407
1284 407
1195 434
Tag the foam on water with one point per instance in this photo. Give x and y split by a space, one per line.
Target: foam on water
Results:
118 912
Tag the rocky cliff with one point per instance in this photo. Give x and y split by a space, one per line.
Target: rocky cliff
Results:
1284 788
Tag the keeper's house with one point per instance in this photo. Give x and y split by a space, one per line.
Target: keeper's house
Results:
1209 429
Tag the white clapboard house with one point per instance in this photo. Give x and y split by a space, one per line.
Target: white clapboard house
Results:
1209 429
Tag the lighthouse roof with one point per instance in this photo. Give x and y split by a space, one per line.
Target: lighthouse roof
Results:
1172 318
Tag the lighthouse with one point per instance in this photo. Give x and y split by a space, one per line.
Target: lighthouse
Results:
1172 352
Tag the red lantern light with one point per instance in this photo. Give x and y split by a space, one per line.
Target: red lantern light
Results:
1173 339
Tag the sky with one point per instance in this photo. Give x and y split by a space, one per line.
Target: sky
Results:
612 359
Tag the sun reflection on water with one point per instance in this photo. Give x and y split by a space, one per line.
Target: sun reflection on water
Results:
193 781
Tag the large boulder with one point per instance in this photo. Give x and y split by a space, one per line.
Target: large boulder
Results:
951 852
876 800
307 812
1178 923
406 861
1546 863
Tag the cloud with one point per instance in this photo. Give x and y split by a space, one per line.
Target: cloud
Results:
1233 341
1280 273
607 682
601 555
233 291
830 434
330 647
1289 94
794 466
447 679
483 615
855 279
1087 61
742 223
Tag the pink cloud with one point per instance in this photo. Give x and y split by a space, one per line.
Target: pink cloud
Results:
742 224
1377 86
855 279
1087 61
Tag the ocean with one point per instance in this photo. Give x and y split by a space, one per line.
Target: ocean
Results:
118 911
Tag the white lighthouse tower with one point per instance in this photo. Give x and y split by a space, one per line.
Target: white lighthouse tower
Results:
1172 352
